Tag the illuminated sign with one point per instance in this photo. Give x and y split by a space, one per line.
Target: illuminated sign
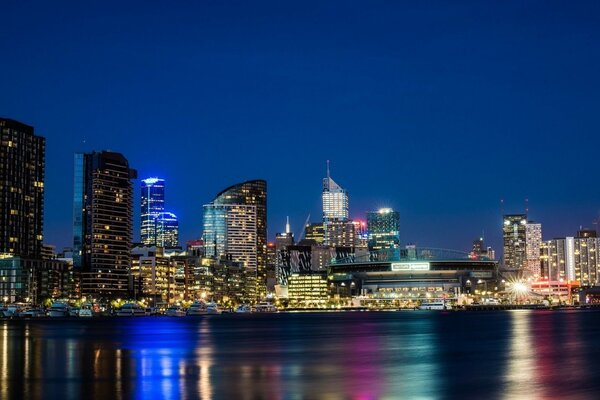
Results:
414 266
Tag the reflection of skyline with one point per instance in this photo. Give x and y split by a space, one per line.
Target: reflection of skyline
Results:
339 355
521 372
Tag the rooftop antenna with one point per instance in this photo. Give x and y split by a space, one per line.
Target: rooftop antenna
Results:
287 225
328 176
527 209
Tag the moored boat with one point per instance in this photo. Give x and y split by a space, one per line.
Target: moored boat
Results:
131 310
197 308
58 310
85 310
435 305
212 308
265 308
175 311
243 308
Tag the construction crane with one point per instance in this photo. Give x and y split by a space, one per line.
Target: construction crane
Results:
300 237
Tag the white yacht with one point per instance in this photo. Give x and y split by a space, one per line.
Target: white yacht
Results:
58 310
175 311
212 308
197 308
435 305
265 308
243 308
131 310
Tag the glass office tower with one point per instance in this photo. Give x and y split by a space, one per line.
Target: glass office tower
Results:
152 204
235 227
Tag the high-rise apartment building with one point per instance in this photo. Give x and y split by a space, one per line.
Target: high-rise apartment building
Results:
571 259
235 228
103 222
383 227
533 241
514 235
22 163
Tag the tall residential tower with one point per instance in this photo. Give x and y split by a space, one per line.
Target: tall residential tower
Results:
22 163
103 222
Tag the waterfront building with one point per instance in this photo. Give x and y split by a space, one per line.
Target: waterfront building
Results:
571 259
308 289
22 165
33 280
103 223
514 238
152 204
235 229
383 227
153 275
533 241
417 274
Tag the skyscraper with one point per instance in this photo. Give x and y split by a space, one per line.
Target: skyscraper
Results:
152 204
514 238
167 229
383 227
235 227
103 222
533 241
335 204
158 227
22 163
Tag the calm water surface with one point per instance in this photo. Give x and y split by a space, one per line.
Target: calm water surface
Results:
356 355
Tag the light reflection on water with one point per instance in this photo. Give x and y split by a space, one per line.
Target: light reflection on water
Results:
512 355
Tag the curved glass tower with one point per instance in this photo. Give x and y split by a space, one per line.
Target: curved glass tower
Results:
235 227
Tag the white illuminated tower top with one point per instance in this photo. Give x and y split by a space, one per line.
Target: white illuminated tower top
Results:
335 200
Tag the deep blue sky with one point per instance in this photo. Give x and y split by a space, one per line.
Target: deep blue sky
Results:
438 109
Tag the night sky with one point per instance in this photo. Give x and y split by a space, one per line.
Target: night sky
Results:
437 109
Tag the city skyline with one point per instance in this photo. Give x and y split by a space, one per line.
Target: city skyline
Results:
412 122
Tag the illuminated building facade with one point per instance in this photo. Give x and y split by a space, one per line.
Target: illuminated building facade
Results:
308 288
235 228
22 163
103 223
383 227
152 204
153 275
533 240
571 259
515 239
335 205
342 233
315 231
157 226
167 229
